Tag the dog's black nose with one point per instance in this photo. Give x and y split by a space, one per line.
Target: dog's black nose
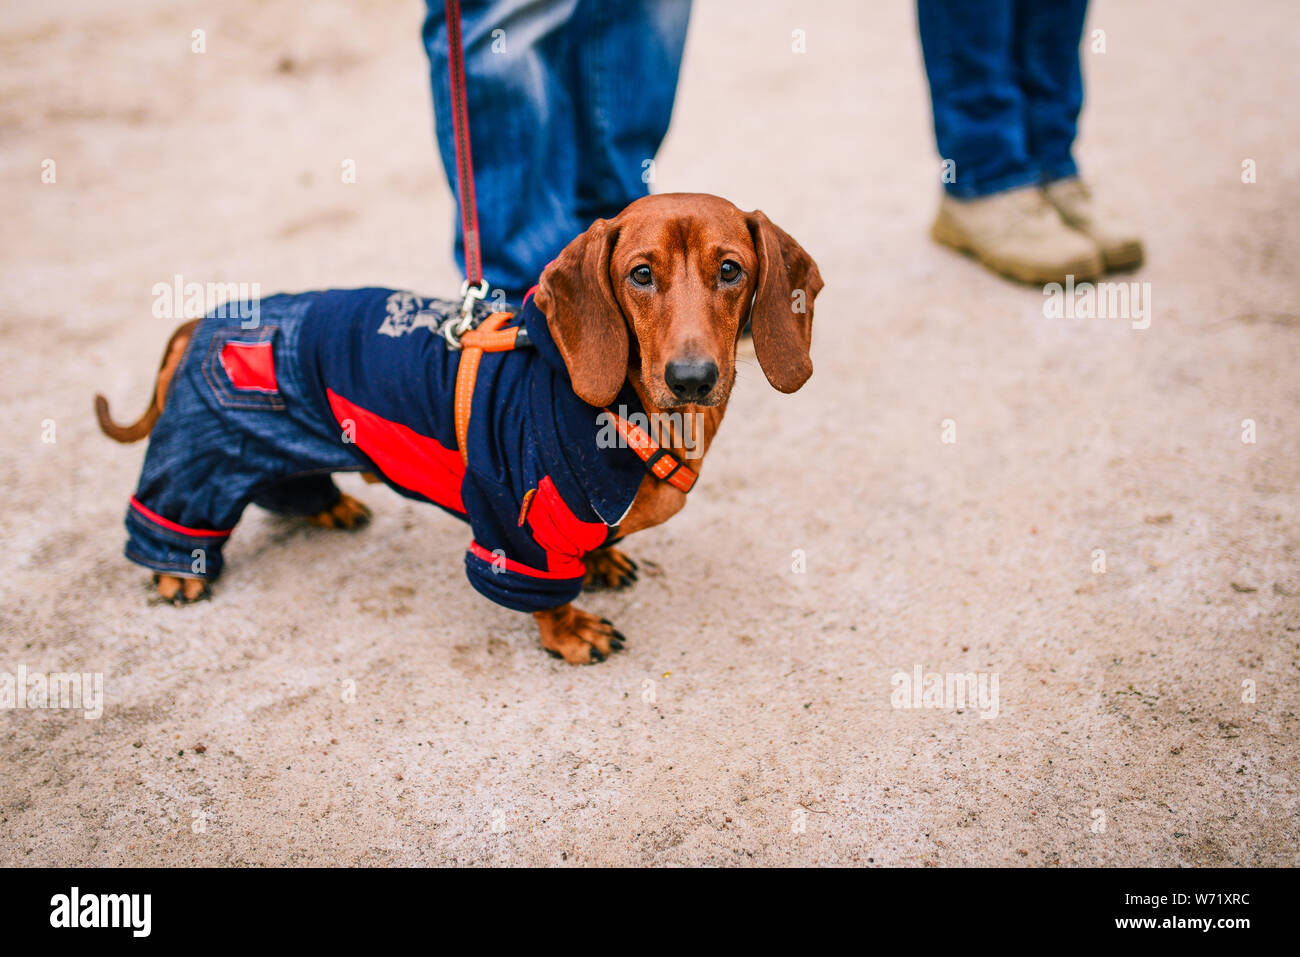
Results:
691 379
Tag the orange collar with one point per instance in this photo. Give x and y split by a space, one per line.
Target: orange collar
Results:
488 336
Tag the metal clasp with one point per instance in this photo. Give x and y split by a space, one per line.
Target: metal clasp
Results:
457 326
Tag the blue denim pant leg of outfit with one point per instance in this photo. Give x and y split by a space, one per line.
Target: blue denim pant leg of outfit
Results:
1006 88
568 102
237 428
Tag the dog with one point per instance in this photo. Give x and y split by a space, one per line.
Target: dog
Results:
528 427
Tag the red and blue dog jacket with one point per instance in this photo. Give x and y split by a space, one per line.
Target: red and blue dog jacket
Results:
264 409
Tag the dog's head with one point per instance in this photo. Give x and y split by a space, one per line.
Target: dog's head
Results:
662 291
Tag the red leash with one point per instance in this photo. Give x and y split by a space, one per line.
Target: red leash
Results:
475 287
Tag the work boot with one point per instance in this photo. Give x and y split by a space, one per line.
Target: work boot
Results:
1120 245
1018 234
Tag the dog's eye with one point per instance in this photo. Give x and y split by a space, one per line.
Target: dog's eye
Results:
641 275
730 271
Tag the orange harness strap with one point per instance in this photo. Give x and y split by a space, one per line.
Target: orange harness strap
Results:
488 336
662 464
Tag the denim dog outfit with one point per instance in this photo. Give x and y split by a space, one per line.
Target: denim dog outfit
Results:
361 380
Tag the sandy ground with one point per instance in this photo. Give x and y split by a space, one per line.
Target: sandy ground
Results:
750 721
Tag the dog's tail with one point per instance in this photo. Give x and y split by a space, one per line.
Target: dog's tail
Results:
125 433
171 360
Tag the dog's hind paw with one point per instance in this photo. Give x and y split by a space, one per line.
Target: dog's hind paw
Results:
608 568
347 513
181 591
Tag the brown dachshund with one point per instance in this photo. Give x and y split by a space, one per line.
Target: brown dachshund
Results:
654 300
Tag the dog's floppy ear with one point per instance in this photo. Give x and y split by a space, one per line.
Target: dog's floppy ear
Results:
584 317
781 318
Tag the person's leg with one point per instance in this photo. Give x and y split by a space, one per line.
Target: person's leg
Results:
1047 37
1047 60
521 131
994 207
979 110
623 64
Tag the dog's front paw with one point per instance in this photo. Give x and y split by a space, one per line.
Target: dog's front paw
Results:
347 513
579 637
608 568
181 591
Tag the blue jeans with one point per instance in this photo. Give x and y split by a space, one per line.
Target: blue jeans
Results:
568 102
223 442
1006 87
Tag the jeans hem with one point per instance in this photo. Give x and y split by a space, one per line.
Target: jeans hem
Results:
178 569
1000 185
1067 169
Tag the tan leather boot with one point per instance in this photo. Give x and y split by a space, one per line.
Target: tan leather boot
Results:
1019 234
1120 245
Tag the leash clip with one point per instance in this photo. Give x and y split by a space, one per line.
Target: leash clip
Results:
456 327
